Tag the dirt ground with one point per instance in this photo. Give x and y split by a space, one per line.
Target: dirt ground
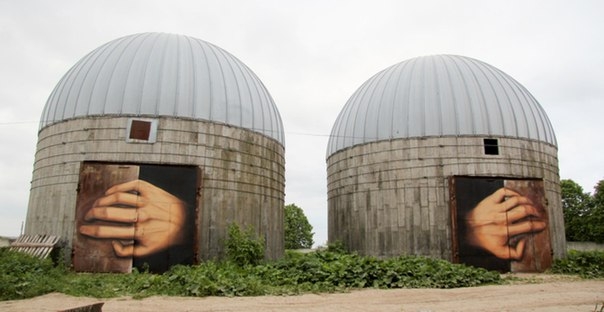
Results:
525 293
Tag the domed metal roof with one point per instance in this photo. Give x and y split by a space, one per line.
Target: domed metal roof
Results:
157 74
441 95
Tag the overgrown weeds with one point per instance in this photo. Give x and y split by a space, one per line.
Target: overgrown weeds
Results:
587 264
321 271
23 276
328 270
244 247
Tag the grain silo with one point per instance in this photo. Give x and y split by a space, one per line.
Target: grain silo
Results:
449 157
149 148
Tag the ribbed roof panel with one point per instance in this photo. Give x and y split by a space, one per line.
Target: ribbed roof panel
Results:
157 74
440 95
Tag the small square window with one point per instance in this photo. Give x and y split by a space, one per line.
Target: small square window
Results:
141 130
491 147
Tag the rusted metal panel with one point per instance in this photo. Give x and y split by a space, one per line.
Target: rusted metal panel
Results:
91 254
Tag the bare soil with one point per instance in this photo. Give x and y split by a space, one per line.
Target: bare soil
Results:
539 292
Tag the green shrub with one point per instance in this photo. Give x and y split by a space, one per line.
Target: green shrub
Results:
587 264
328 271
212 279
244 247
337 247
24 276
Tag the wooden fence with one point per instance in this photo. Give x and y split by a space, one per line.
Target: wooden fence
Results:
35 245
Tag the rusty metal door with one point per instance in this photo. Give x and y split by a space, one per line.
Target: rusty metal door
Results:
135 215
500 224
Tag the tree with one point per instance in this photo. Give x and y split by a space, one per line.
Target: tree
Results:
597 214
576 208
583 213
298 231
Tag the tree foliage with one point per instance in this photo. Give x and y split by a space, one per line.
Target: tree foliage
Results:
298 231
583 213
597 216
575 205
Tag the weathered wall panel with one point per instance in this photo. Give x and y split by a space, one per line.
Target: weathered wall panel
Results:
410 177
243 175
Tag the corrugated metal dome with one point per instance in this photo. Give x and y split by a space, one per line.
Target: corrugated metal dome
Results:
440 95
157 74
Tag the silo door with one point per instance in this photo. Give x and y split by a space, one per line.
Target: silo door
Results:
91 253
139 216
500 224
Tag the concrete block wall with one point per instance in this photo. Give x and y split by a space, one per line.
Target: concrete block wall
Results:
243 175
391 197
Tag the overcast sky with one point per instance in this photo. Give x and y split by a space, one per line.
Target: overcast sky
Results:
312 55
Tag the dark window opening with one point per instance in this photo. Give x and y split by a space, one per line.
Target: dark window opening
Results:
140 130
491 147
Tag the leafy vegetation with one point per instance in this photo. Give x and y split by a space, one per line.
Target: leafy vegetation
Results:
331 271
243 274
298 231
23 276
587 264
244 247
321 271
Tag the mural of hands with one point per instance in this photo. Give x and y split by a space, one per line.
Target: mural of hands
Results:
140 211
499 223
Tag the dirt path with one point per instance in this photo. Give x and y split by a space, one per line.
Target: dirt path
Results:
533 293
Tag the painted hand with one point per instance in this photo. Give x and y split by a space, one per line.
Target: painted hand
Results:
500 217
139 211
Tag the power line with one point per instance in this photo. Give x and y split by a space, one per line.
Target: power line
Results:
7 123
